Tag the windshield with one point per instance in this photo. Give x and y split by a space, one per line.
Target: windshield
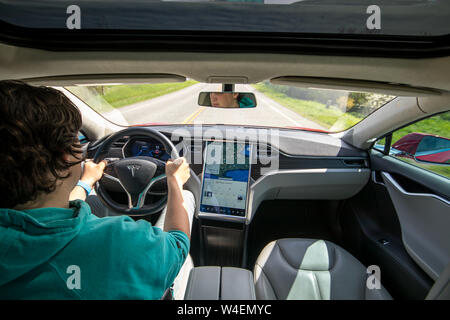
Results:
277 105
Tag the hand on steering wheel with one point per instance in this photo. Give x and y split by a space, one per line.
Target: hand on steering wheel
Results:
138 174
178 170
92 172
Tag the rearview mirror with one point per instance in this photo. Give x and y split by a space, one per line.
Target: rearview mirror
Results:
227 99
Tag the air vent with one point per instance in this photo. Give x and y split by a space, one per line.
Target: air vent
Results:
359 163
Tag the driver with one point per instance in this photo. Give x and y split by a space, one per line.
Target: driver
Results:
51 245
230 100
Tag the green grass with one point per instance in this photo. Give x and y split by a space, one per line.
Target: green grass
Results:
123 95
443 170
326 117
438 125
118 96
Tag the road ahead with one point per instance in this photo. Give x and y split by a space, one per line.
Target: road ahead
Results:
181 107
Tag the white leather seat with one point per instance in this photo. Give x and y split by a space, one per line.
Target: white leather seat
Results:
310 269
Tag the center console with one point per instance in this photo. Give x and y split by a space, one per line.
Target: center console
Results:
225 180
220 283
223 207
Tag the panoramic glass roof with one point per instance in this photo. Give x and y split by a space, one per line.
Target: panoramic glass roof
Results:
395 17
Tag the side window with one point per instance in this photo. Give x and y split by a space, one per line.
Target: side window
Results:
425 143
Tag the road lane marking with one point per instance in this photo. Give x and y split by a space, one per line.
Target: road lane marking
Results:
274 108
201 110
192 116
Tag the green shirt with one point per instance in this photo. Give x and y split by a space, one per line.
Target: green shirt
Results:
56 253
246 102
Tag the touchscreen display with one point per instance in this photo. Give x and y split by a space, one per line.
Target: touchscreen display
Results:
225 178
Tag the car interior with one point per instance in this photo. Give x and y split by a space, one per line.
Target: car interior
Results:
318 207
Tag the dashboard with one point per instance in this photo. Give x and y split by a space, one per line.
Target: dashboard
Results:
308 166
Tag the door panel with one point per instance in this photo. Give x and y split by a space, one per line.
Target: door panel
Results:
425 225
421 202
371 232
402 217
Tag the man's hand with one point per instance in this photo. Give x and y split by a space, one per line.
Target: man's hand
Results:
92 171
178 170
177 173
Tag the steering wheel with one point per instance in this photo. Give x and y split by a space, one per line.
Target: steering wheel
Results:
136 175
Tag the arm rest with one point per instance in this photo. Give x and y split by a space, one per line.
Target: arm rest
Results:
237 284
203 284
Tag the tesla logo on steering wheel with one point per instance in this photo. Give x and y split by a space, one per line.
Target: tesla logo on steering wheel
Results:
133 168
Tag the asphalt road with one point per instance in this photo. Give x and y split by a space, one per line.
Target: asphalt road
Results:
180 107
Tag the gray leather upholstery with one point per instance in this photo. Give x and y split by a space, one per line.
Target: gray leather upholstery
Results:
313 270
237 284
203 284
441 288
217 283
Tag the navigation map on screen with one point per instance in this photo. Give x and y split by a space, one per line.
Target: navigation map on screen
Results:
225 178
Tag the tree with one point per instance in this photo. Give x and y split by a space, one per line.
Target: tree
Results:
358 98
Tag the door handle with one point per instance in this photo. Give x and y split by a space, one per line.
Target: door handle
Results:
375 179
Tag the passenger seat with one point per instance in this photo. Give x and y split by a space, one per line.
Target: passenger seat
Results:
310 269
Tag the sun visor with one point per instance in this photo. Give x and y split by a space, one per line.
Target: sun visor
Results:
355 85
432 105
104 79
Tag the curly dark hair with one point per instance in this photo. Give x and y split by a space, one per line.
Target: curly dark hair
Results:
38 125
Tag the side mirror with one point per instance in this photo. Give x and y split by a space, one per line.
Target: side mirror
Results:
433 149
227 99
